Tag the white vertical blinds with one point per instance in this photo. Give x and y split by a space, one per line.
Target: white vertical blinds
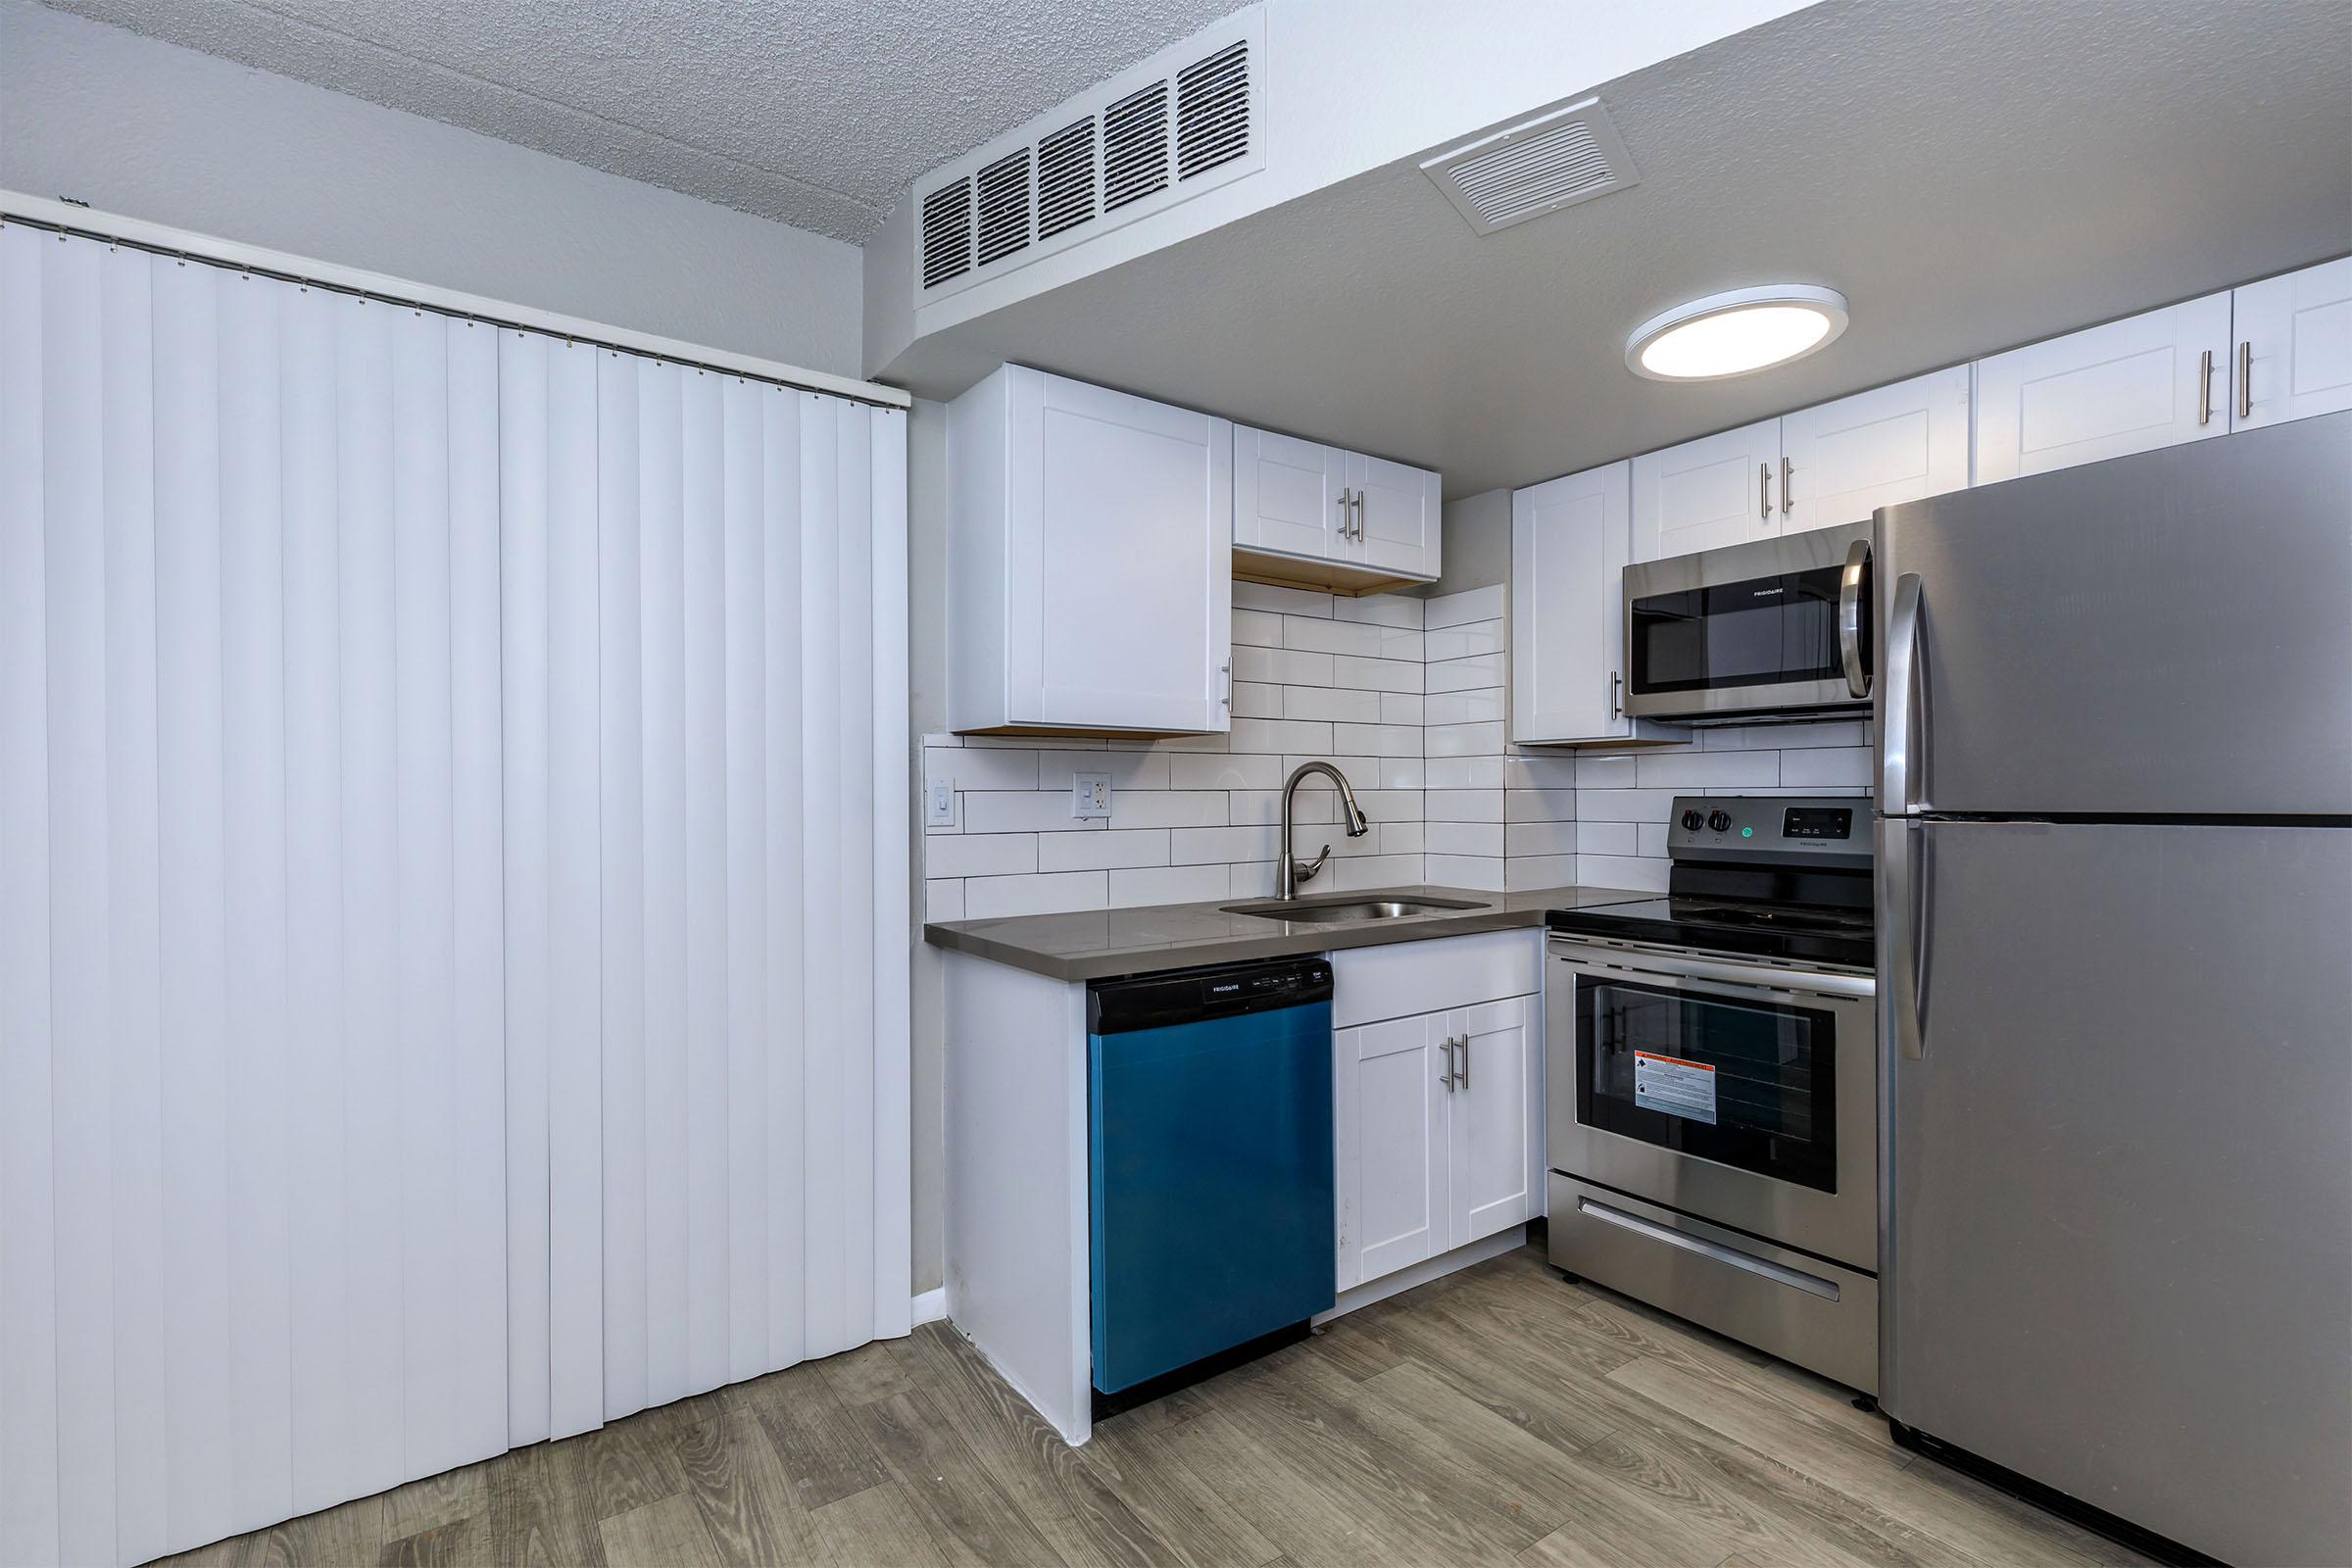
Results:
452 959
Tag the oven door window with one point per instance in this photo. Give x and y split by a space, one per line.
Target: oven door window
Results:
1762 632
1743 1082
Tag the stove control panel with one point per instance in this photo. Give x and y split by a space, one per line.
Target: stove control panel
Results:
1770 827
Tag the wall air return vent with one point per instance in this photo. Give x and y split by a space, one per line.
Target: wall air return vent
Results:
1065 178
1188 120
1561 157
1004 206
947 232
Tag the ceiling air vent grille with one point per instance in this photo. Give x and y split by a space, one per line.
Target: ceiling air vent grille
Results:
947 232
1191 119
1004 206
1135 146
1212 110
1065 178
1559 158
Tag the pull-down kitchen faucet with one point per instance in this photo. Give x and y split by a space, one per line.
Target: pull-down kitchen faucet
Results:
1289 873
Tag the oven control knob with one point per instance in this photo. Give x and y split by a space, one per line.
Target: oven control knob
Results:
1692 822
1720 822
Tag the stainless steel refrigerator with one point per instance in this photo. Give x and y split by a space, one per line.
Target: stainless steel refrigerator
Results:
2113 718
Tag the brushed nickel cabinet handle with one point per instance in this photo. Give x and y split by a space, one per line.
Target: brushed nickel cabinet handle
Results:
1764 491
1465 1061
1616 699
2245 380
2205 387
1788 487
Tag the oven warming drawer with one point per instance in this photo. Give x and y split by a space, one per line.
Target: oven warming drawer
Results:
1793 1305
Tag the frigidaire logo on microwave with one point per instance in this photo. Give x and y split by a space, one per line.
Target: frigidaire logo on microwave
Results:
1764 593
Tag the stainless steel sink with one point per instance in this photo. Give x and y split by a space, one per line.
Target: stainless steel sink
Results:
1346 912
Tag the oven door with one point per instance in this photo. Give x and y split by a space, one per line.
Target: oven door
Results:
1743 1094
1729 634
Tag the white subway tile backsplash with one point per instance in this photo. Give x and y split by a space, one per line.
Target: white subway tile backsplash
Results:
1281 601
1406 697
1539 871
1231 770
1256 699
1827 765
1283 667
1471 604
1375 674
1463 740
1098 852
1169 884
1168 809
1378 740
1550 838
1463 674
1034 812
980 769
1357 639
1598 838
994 898
1462 838
1330 703
1257 628
1539 806
1476 707
1197 846
1385 610
1466 772
1463 642
985 854
1478 872
1693 770
1279 735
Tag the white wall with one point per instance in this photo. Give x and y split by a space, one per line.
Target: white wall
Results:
148 129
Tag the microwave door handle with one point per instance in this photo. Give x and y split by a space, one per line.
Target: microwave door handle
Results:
1853 583
1898 690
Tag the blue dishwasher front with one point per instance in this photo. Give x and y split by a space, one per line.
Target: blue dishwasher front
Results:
1211 1179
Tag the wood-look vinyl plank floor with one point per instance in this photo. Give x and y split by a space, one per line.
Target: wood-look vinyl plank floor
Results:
1499 1415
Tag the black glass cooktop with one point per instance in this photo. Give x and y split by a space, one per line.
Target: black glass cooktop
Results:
1803 933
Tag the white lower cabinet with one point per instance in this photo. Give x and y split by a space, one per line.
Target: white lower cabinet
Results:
1438 1115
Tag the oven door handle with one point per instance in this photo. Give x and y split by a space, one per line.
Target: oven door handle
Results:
1682 966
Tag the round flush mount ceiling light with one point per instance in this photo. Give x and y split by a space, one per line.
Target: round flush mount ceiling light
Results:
1732 335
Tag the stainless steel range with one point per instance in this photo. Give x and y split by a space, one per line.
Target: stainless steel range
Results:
1712 1072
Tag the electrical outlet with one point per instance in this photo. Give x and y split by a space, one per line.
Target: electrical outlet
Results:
1089 795
939 803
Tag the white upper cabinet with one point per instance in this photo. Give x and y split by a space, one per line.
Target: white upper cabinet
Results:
1718 490
1397 517
1569 543
2146 382
1331 517
2295 346
1289 496
1089 567
1842 461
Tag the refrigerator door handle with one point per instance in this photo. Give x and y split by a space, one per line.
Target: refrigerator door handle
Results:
1895 714
1899 892
1853 583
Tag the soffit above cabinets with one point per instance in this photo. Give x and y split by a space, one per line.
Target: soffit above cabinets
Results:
1933 164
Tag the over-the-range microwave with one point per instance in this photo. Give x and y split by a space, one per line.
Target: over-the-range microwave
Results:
1779 629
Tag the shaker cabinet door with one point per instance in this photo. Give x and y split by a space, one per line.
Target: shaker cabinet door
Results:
2146 382
1718 490
2295 346
1842 461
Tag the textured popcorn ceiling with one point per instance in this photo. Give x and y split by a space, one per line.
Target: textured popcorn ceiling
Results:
812 112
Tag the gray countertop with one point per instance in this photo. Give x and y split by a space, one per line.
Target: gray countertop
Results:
1095 944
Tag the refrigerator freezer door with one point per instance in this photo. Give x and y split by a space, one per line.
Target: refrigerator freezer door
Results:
2157 635
2119 1247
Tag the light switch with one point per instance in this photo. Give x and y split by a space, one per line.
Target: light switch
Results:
939 803
1089 795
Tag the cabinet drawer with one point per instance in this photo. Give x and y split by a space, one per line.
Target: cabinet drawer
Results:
1414 977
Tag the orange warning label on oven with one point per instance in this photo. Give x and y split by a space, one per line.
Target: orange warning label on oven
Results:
1674 1086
